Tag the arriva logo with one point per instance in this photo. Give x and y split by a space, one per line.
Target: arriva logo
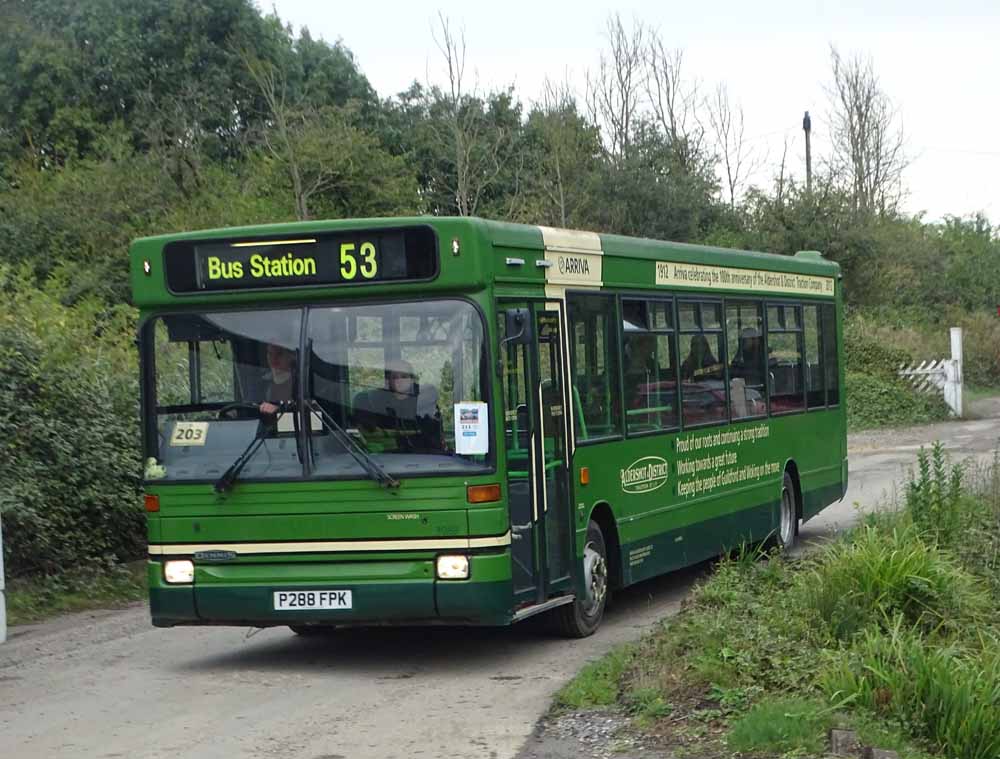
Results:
644 475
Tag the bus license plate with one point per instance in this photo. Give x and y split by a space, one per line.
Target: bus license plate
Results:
311 600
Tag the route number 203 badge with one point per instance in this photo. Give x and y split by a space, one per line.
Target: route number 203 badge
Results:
189 433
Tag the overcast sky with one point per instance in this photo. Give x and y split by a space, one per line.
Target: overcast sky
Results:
938 61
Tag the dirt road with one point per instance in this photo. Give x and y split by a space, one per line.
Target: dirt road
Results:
108 685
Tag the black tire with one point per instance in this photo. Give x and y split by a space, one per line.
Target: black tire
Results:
582 617
788 519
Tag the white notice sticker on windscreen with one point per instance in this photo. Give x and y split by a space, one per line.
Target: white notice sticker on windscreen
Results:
189 433
471 428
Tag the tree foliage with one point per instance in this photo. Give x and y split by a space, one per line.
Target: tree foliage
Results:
124 118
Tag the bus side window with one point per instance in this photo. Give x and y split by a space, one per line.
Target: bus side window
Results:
747 366
650 370
594 371
784 358
813 333
704 395
831 366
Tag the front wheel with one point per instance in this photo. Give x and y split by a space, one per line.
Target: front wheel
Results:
582 617
788 522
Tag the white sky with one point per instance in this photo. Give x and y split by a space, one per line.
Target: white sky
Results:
939 62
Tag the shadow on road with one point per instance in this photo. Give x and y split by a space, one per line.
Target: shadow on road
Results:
402 652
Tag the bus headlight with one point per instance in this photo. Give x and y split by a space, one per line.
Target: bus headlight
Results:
453 567
175 572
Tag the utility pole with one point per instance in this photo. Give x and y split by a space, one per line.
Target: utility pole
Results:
807 128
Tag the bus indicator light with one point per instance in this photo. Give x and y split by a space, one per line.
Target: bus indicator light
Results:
483 493
585 475
152 503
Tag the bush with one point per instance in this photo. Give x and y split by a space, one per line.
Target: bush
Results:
69 433
876 395
878 400
886 573
941 693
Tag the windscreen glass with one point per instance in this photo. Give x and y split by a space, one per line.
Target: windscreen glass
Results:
406 381
214 374
400 386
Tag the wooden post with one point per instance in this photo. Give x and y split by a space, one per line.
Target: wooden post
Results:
953 374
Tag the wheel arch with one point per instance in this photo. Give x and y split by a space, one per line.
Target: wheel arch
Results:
602 513
792 469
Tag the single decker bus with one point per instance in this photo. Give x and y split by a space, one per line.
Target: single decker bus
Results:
460 421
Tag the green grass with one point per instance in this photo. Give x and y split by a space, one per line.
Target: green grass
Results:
597 683
35 599
781 725
893 631
979 392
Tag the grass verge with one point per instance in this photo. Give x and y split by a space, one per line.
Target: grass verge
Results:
35 599
892 631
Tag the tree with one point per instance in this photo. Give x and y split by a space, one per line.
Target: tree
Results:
869 154
471 140
325 160
564 150
675 103
738 159
68 68
614 92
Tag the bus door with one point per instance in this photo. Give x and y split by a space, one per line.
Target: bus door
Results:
533 366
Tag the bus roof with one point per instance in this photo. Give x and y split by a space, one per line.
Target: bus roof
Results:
465 272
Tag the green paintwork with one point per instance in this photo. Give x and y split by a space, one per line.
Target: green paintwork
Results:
659 530
386 590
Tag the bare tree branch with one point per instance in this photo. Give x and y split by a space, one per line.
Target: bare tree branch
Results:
614 91
477 148
675 103
869 154
738 159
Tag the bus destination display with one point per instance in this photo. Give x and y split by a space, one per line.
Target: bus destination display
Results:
341 258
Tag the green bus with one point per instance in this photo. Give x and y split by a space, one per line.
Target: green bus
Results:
460 421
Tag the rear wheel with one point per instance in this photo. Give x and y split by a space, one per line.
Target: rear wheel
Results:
788 522
582 617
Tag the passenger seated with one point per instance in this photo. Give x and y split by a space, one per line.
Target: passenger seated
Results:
700 363
403 416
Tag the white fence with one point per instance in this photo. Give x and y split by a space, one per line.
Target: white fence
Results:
942 376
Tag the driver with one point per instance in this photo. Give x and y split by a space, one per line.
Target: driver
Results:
279 385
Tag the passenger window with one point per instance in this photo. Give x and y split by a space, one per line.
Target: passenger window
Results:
784 360
831 366
815 396
595 389
650 369
704 396
745 341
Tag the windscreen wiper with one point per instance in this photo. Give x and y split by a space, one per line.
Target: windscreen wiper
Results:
369 464
225 482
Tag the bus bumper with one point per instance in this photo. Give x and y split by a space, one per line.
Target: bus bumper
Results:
382 592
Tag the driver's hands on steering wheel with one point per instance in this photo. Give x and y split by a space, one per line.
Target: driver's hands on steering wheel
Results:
268 408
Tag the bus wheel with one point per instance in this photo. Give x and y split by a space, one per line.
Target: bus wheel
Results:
788 520
582 617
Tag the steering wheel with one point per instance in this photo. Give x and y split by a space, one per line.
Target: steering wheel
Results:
229 411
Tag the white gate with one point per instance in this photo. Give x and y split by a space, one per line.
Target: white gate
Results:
940 376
